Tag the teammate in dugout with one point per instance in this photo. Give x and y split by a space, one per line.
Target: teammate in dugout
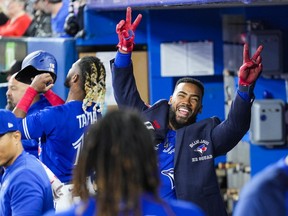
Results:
64 125
186 148
35 63
25 188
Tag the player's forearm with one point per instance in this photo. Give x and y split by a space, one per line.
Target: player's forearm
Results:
53 98
24 104
19 113
122 60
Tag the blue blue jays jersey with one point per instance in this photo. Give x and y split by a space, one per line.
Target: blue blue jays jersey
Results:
25 188
165 152
64 128
148 204
31 146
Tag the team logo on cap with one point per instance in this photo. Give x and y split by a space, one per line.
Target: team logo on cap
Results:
10 125
52 67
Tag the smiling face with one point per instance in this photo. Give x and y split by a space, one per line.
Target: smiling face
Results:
186 103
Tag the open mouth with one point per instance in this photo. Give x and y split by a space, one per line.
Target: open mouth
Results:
184 112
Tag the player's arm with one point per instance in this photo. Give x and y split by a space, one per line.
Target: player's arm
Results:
40 84
123 80
238 119
53 98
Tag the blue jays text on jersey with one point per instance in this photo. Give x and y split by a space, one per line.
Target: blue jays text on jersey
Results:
200 146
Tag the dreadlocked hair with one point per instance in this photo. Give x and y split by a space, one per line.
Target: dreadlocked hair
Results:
94 75
120 151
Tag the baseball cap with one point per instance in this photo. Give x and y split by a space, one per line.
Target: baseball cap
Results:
14 68
8 122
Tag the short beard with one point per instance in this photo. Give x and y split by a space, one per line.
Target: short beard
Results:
176 125
67 82
10 106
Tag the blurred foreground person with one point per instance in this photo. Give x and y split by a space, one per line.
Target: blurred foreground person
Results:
267 192
25 187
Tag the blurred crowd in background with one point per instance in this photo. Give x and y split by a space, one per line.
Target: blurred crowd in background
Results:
41 18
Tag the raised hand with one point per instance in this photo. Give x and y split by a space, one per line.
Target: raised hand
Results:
251 67
126 32
42 82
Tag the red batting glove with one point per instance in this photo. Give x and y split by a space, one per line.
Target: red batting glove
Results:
126 31
251 67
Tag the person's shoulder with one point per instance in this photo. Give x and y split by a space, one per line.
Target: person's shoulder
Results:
32 164
162 103
29 166
264 180
181 207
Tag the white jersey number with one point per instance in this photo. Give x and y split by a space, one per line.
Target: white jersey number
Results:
78 146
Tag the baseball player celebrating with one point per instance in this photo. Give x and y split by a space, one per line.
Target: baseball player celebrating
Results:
64 125
186 147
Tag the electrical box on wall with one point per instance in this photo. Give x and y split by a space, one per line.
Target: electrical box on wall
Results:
267 122
272 54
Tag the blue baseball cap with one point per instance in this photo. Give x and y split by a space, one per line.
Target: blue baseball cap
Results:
8 122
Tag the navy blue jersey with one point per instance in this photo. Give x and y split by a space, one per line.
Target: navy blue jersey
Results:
31 146
25 188
266 194
64 128
149 207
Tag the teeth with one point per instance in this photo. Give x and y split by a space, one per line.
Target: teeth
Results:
184 110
